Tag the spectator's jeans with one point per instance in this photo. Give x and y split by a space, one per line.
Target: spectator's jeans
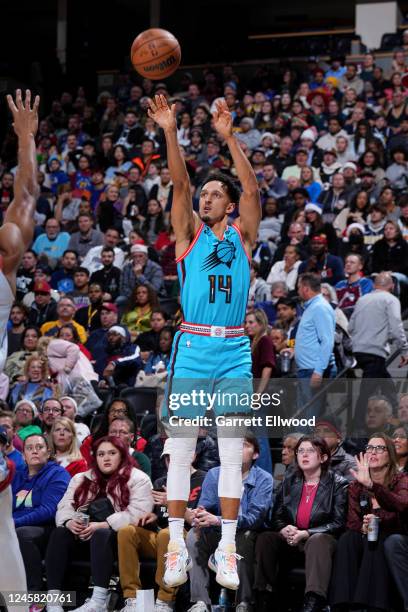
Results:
396 553
64 545
33 543
377 381
305 392
201 546
133 543
274 554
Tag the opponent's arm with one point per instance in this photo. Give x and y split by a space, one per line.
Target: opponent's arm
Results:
183 220
26 191
250 203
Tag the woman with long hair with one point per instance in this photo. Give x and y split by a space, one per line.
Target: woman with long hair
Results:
121 162
370 161
14 367
64 446
360 577
139 310
357 212
391 253
308 514
400 440
154 222
113 494
308 182
262 349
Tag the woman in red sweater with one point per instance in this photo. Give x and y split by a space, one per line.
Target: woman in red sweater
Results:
64 446
262 349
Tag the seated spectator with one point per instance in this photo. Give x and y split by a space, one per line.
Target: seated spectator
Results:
328 267
270 225
308 182
114 494
286 270
139 310
8 423
140 271
162 191
37 489
350 290
391 253
154 222
328 428
278 290
64 446
203 540
150 538
317 227
108 277
50 409
360 576
96 342
53 243
89 316
124 428
403 220
70 334
403 408
160 359
93 260
26 413
309 513
120 362
397 171
374 227
150 339
65 311
121 163
44 307
35 387
288 457
258 289
82 241
25 273
17 324
296 236
262 349
70 409
400 440
79 293
63 278
357 212
109 209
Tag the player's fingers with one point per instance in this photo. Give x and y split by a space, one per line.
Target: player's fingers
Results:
19 101
36 103
27 101
11 104
152 105
164 101
173 110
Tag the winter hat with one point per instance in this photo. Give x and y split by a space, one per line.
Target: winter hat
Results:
313 208
308 134
30 403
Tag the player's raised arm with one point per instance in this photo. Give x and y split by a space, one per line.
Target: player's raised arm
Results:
250 203
25 123
183 220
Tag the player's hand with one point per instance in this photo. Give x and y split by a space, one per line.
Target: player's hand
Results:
25 117
222 119
316 380
163 114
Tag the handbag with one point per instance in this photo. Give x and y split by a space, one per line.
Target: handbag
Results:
99 510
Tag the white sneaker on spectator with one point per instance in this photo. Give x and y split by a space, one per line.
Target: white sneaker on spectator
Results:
224 563
130 605
92 606
178 563
200 606
164 606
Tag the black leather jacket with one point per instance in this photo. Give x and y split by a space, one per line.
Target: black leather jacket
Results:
329 511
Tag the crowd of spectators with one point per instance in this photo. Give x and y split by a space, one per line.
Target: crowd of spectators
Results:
98 305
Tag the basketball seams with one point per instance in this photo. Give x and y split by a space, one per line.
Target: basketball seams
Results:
154 58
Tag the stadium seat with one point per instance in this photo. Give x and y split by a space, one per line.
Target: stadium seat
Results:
142 400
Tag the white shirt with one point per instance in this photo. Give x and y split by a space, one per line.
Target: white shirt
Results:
278 273
93 261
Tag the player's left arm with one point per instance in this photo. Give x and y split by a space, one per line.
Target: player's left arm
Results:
250 202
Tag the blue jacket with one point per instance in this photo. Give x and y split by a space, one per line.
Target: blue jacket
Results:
35 499
315 336
255 501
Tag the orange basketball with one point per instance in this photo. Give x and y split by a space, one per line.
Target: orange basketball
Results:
155 54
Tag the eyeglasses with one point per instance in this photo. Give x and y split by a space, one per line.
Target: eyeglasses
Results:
51 410
118 411
306 451
379 449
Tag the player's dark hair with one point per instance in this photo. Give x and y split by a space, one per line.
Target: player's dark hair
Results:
230 186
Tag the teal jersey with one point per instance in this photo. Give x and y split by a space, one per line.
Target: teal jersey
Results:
214 278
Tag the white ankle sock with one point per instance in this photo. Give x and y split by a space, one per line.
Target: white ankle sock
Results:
176 528
228 531
100 595
54 607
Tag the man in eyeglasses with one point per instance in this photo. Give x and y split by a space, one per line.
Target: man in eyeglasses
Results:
51 409
17 230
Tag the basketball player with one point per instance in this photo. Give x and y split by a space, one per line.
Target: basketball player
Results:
213 266
17 230
12 574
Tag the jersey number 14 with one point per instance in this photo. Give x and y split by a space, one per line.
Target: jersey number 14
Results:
222 283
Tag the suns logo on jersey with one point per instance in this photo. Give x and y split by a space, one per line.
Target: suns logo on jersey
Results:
223 253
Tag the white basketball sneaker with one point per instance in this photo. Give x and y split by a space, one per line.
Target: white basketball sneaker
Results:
224 563
178 563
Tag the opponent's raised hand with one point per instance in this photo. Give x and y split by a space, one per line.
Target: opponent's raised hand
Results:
222 119
163 114
25 116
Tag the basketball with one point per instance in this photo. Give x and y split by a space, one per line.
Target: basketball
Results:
155 54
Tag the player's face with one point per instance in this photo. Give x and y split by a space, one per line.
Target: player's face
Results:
214 202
